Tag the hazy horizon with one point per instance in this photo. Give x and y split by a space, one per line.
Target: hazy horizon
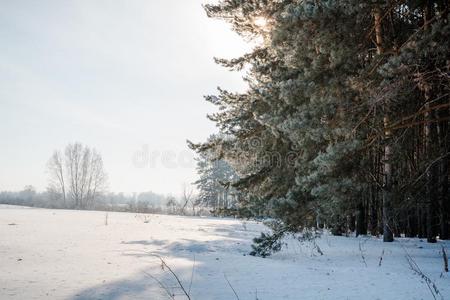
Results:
126 78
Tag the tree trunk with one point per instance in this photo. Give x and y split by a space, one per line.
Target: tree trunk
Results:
387 167
431 171
373 226
361 227
430 185
444 197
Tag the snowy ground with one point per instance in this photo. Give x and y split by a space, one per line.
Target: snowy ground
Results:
59 254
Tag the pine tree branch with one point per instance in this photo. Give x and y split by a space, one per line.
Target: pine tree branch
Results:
427 169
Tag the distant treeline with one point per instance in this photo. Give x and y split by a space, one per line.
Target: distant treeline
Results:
146 202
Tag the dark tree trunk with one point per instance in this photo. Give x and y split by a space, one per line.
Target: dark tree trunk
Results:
444 195
422 222
373 216
426 87
387 166
361 227
431 195
411 227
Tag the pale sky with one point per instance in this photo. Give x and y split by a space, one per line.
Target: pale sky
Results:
126 77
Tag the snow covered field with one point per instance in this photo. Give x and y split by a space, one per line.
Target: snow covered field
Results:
61 254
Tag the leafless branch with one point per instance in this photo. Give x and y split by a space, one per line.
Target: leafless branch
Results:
192 276
361 250
381 258
162 285
444 256
234 291
165 265
415 267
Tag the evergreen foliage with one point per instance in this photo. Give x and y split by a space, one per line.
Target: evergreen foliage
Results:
214 183
345 122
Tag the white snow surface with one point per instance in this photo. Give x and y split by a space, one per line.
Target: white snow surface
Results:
63 254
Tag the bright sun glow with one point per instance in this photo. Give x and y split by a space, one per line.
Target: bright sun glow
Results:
260 22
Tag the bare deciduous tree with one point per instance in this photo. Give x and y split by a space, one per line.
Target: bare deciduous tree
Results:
57 184
188 195
189 198
172 205
78 176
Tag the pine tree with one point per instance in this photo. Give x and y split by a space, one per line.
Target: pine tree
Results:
345 121
215 178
